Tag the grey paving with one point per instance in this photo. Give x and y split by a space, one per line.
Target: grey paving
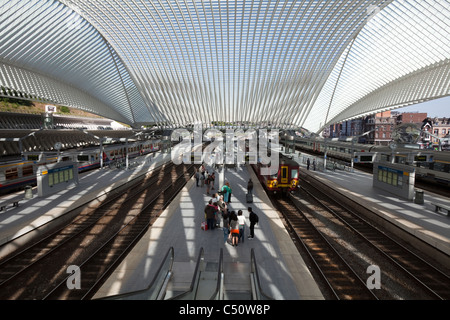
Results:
282 271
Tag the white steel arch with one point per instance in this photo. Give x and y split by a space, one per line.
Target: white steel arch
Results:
280 62
401 57
48 52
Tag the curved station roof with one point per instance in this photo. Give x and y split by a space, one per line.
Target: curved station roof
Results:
281 63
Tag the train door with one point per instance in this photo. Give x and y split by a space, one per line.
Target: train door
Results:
316 146
284 174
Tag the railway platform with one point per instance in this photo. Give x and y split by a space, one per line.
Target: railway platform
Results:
419 220
282 271
19 224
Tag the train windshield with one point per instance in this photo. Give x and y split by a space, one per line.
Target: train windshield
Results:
284 174
294 174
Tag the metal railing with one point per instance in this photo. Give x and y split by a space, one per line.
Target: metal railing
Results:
257 292
191 292
219 292
157 288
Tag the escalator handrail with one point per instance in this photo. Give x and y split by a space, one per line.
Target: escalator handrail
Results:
254 271
169 255
195 278
218 293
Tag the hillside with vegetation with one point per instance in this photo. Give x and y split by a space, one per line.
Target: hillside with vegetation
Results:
31 107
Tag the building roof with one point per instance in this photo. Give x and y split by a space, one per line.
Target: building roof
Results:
176 62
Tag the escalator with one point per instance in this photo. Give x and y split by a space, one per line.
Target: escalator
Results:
210 281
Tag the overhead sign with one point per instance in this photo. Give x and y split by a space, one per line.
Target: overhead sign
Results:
423 157
49 108
364 157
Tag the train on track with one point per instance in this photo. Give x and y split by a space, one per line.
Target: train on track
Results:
430 165
17 174
286 179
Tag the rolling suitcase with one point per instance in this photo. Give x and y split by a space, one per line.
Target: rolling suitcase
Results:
249 197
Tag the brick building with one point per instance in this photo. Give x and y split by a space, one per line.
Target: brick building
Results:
383 124
439 127
411 117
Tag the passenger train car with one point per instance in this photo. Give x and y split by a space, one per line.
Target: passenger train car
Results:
17 174
430 165
284 180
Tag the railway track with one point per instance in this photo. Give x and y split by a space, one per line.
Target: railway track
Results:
414 269
95 241
342 281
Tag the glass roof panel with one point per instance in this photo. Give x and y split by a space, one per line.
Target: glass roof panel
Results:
280 62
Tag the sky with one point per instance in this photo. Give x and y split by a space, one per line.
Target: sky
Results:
434 108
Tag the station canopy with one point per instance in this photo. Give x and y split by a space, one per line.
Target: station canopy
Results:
279 63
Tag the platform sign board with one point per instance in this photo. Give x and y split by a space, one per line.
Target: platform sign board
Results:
423 157
54 177
395 178
364 157
50 108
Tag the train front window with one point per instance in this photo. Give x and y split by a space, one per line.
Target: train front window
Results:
284 174
294 174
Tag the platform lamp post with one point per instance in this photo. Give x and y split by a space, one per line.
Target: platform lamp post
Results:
24 137
58 146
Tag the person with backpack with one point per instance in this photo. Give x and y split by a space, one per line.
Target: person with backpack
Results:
253 220
226 191
210 215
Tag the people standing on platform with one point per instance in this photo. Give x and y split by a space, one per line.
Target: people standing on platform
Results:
197 176
234 229
202 170
225 225
202 179
253 220
222 205
308 162
212 178
226 191
216 198
210 211
241 221
314 164
250 186
207 182
217 215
